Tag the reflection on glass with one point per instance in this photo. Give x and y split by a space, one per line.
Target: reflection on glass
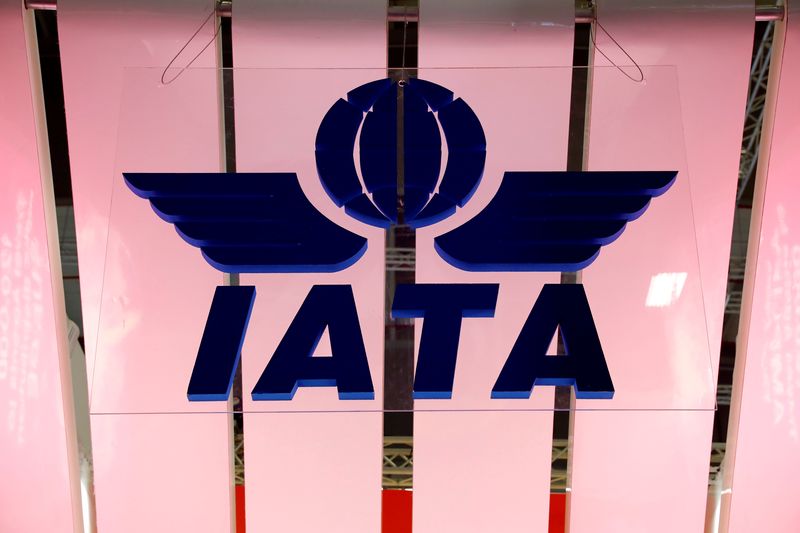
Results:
665 288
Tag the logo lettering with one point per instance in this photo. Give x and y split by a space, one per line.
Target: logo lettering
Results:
537 222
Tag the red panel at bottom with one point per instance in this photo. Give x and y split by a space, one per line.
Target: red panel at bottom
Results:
558 513
240 509
396 515
397 509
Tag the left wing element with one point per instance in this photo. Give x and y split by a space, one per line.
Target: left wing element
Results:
249 222
551 221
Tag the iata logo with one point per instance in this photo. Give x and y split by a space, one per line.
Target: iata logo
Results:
537 222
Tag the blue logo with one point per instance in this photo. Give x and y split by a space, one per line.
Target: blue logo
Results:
537 222
425 108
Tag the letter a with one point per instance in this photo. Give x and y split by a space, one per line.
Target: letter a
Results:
293 365
583 366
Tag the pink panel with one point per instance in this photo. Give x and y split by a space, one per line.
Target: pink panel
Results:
482 471
501 100
38 446
711 44
506 485
150 273
98 40
312 471
145 293
645 288
157 472
313 33
308 472
662 454
639 471
762 463
496 33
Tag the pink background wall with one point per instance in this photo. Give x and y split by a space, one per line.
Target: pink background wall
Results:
664 454
506 485
147 291
315 471
762 465
38 447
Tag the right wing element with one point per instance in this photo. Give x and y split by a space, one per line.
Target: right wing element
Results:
551 221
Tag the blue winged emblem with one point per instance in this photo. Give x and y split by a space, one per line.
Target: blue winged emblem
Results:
537 221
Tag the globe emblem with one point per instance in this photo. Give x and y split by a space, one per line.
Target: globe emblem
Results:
369 117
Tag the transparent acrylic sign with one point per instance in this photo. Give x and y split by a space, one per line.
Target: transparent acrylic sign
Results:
642 289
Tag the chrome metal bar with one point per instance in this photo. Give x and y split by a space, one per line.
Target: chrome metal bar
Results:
41 5
766 13
224 8
583 14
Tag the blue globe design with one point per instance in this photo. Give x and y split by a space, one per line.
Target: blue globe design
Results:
373 108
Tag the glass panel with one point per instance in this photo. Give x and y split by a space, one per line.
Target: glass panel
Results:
643 289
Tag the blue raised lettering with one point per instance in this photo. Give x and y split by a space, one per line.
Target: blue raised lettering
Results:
293 365
583 366
442 306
